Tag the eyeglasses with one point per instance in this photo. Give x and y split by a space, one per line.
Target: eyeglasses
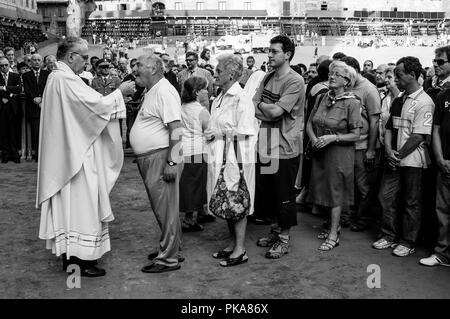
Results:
166 60
190 60
84 56
337 75
440 62
367 64
4 65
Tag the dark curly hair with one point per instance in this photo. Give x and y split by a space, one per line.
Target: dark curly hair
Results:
351 61
190 86
411 64
202 55
286 43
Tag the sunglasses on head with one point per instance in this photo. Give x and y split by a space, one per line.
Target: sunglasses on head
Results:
439 62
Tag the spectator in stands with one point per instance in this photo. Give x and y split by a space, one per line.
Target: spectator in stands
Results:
338 56
9 111
367 67
50 62
194 70
34 83
407 156
168 73
11 56
333 128
368 152
105 83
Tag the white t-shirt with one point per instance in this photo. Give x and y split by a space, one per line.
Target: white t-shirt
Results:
193 139
162 105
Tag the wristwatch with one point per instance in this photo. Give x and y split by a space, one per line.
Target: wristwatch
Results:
171 163
337 138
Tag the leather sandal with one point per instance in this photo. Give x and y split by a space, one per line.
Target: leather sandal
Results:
223 254
229 262
329 244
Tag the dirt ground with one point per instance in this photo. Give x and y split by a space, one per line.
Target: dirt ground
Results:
28 270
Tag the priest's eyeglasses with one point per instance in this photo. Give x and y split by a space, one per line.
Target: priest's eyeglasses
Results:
84 56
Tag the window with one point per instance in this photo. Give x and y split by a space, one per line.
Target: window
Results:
100 7
138 6
178 6
32 3
200 5
247 5
286 8
222 5
324 6
123 6
345 9
28 3
61 11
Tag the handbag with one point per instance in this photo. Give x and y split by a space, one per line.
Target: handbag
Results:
228 204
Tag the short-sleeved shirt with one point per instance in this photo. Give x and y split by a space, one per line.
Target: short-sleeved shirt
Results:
287 92
370 105
442 118
412 114
193 139
161 105
339 118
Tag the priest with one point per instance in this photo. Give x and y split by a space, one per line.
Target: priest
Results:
79 160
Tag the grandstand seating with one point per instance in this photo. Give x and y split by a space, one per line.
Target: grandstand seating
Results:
14 36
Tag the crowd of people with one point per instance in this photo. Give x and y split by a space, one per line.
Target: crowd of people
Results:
354 145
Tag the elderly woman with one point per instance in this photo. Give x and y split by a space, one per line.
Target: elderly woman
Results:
333 128
232 116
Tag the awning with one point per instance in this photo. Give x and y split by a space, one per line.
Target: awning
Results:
142 14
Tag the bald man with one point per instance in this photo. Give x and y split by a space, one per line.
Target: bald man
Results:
34 84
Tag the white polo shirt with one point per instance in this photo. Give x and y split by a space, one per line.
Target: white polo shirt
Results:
416 118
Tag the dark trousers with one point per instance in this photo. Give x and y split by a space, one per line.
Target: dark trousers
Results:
34 128
367 206
443 215
275 192
8 131
400 197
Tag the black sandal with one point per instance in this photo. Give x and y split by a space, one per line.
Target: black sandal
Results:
223 254
189 228
229 262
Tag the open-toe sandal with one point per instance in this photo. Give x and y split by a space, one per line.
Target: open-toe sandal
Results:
329 244
243 258
223 254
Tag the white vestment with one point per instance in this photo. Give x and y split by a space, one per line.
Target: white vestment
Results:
80 158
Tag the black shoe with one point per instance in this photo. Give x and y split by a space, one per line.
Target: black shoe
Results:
359 227
158 268
93 272
152 256
344 223
189 228
205 219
